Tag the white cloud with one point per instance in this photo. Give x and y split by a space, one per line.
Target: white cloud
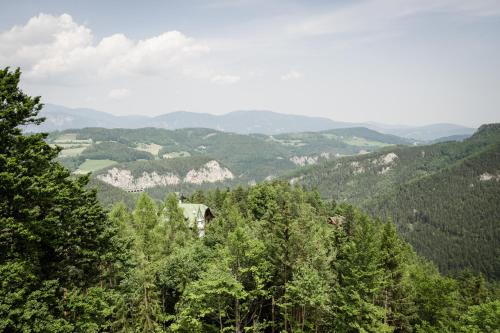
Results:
56 48
117 94
225 79
291 75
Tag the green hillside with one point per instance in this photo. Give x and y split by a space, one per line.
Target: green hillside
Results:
268 258
109 195
249 158
452 216
434 193
443 197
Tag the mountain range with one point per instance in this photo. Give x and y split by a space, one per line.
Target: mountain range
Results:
443 196
242 122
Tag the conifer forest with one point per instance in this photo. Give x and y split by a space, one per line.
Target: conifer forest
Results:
276 256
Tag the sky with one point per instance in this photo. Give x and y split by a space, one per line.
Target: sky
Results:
410 62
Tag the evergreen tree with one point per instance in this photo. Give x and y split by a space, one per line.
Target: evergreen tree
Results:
147 313
436 299
307 296
249 268
398 305
54 236
183 266
358 278
231 292
177 231
473 288
484 317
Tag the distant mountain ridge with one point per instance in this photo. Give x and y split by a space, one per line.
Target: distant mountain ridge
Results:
242 122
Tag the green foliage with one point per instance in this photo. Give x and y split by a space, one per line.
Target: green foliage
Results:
436 299
109 195
93 165
359 278
251 157
144 295
308 293
399 307
437 196
55 238
276 258
481 318
114 151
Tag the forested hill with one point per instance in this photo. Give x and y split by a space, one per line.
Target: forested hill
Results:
274 258
444 197
161 160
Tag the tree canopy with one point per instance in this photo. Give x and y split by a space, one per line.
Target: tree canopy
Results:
276 258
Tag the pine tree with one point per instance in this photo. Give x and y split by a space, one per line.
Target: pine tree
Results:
358 278
250 268
484 317
232 291
307 296
147 313
55 237
398 306
207 303
435 297
177 231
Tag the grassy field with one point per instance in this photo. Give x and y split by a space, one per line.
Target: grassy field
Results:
71 146
70 152
151 148
66 137
362 142
93 165
176 154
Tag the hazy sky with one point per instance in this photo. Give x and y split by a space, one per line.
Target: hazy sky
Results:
392 61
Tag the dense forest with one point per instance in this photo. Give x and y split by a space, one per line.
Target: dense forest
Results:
442 197
276 258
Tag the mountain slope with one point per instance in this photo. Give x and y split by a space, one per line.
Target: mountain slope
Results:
242 122
160 160
444 197
452 214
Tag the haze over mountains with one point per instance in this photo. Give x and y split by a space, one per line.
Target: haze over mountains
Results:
242 122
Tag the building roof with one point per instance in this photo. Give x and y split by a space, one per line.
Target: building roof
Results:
192 211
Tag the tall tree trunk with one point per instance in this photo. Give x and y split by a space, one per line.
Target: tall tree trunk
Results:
110 275
303 316
146 306
385 307
220 316
237 322
272 315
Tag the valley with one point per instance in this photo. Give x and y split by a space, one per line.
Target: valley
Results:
441 196
185 159
250 166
